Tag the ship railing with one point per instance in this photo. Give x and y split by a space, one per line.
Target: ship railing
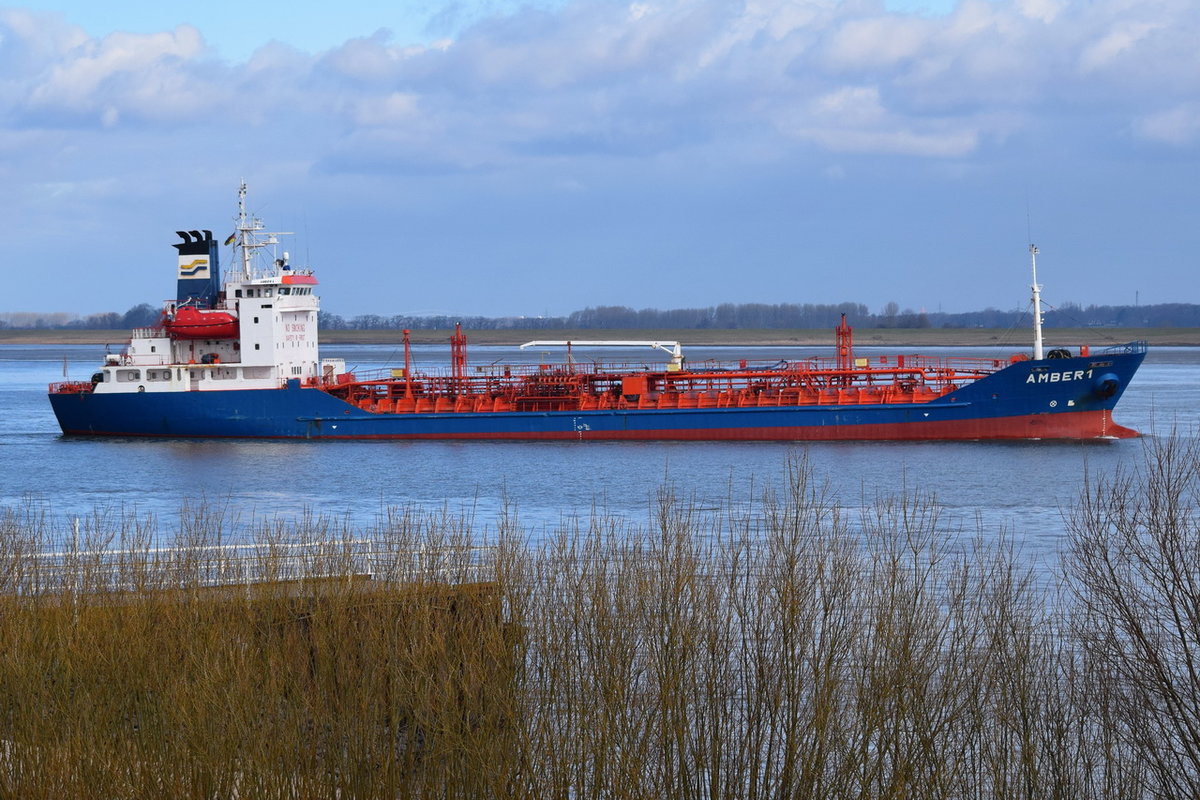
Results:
973 364
698 388
147 333
126 570
527 381
1132 348
961 365
958 364
391 374
71 387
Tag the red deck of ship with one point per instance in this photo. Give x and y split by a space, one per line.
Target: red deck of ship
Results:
588 386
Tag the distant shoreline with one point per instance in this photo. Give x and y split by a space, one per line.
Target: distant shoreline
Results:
863 337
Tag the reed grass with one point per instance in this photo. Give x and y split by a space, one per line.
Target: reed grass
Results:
779 649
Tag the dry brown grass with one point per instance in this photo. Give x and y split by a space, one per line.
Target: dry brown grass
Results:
781 650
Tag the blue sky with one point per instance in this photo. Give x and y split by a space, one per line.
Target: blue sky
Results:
505 158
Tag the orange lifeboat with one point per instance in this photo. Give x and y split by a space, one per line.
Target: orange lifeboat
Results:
190 322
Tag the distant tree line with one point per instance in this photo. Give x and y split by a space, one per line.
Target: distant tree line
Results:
329 321
142 315
792 315
725 316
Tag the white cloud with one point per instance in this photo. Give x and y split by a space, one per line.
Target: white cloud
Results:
853 120
649 77
851 107
1043 10
147 72
880 41
368 59
1177 126
1119 42
46 34
397 108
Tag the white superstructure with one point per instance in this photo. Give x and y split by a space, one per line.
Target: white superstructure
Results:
258 332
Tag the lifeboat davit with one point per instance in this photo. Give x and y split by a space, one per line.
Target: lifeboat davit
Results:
190 322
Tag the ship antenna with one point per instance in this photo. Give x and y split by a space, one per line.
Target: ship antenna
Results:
243 231
1037 306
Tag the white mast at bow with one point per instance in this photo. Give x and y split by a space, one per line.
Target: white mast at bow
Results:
1037 307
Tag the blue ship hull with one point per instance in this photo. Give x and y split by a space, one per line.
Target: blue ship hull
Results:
1051 398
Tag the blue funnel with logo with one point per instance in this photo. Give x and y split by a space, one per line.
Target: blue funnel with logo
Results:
199 269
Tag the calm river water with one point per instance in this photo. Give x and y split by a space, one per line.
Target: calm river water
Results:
1020 486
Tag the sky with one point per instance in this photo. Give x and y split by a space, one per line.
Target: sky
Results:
500 158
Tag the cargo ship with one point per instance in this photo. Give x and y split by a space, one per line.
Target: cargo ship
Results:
239 358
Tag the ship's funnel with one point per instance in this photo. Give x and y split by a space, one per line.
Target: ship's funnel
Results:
199 269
